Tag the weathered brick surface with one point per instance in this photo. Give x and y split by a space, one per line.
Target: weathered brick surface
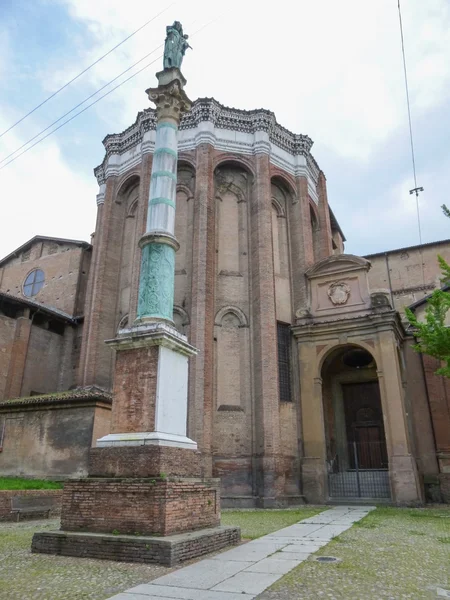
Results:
412 273
144 461
144 506
135 380
439 399
65 266
444 479
5 502
136 549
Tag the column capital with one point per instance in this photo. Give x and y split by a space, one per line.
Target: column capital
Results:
170 98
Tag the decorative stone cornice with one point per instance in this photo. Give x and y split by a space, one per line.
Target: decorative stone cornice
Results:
222 118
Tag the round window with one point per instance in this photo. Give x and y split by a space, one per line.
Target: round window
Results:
33 283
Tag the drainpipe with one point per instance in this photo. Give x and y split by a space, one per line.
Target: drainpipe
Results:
386 257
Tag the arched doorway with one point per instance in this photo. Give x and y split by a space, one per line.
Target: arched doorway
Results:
356 452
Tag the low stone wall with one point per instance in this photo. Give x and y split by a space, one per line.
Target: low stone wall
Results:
164 551
5 502
140 506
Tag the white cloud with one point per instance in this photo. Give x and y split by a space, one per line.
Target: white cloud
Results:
332 70
42 195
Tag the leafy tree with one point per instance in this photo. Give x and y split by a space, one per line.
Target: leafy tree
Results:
433 334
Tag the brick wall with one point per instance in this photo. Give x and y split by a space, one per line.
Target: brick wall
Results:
439 398
406 274
144 506
7 334
5 502
61 266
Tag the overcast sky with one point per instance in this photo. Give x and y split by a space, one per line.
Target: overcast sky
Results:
331 70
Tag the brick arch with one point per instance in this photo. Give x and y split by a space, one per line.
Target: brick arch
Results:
183 314
329 349
181 187
283 180
280 210
239 314
234 160
126 184
185 160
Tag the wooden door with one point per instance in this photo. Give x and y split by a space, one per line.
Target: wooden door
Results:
364 423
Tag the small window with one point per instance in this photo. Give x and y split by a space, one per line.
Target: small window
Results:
33 283
284 361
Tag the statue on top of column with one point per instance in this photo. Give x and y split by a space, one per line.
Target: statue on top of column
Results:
175 46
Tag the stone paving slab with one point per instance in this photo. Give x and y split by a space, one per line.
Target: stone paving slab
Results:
250 552
300 556
298 530
203 575
248 582
244 572
148 590
274 565
301 548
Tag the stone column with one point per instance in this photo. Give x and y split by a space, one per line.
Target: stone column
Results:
151 371
156 286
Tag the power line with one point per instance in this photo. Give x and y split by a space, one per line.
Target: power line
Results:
95 102
85 70
80 112
80 104
416 188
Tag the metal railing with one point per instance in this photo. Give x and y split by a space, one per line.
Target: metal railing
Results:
359 470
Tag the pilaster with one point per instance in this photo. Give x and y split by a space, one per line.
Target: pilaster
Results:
265 367
202 312
402 465
326 244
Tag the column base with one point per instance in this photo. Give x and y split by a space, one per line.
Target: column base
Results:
314 480
146 438
406 489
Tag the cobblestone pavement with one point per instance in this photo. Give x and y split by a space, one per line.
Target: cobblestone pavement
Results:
26 576
392 554
245 571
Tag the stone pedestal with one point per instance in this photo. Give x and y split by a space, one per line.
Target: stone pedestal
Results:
150 388
145 477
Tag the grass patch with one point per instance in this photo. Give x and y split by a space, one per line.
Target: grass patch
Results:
255 523
15 483
381 558
444 540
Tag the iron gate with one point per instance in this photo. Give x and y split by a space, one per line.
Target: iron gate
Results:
360 471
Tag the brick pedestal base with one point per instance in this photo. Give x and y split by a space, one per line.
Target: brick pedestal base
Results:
170 550
140 506
144 461
136 492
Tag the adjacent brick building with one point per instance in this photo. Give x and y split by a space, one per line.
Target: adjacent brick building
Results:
304 366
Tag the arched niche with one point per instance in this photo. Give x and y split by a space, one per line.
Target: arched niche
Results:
281 199
181 319
232 359
315 230
184 231
128 198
